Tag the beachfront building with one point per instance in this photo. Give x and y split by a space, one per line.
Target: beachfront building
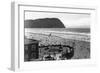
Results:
31 50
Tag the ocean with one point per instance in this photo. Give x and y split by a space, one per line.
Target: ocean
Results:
77 30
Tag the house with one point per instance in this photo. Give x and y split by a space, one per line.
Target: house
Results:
31 50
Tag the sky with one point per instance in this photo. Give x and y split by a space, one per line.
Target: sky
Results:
70 20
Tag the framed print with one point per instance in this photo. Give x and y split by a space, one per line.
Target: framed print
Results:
50 36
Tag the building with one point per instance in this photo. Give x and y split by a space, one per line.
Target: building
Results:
31 50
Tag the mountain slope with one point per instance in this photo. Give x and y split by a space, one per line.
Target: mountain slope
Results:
44 23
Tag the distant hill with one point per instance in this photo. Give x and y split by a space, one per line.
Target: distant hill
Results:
44 23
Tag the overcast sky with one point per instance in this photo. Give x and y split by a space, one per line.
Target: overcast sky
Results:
69 20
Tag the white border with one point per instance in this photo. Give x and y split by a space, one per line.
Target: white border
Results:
17 61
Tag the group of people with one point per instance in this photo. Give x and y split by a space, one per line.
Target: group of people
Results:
63 55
